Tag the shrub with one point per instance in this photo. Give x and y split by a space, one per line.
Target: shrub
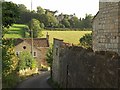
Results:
86 41
26 61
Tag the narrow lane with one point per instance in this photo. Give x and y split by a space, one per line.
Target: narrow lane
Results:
39 81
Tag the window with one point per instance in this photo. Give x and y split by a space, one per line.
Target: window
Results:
17 53
34 54
24 47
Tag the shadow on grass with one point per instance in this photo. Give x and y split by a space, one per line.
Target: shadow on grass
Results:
19 26
13 32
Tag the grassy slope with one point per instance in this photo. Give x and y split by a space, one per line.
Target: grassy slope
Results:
16 31
67 36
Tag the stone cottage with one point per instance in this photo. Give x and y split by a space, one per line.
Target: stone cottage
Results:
106 27
40 47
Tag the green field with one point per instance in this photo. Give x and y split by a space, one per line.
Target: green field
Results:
67 36
17 31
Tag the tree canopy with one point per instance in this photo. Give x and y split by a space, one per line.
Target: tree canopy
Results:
10 13
34 26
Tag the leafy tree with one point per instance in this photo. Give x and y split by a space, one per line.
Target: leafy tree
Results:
26 61
9 64
74 21
22 8
86 41
66 23
48 20
10 14
9 59
35 27
49 58
25 14
40 10
86 22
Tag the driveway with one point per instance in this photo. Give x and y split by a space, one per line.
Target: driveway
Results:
39 81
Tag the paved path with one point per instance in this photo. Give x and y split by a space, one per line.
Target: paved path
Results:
39 81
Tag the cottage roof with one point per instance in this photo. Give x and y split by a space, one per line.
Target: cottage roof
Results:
95 16
37 42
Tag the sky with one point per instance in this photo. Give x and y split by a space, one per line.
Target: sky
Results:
79 7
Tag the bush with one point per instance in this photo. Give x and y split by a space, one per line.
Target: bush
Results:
26 61
86 41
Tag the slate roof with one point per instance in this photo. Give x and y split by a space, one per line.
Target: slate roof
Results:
37 42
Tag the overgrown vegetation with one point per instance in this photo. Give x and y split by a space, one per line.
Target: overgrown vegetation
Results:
86 41
26 61
9 64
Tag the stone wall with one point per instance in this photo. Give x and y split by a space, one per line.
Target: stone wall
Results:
106 27
76 67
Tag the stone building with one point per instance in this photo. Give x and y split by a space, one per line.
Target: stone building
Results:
106 27
40 47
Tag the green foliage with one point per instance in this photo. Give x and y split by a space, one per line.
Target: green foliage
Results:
49 56
74 21
35 27
9 60
86 22
86 41
26 61
11 80
40 10
10 14
48 20
66 23
9 64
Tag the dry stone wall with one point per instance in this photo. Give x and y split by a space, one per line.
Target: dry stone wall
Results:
76 67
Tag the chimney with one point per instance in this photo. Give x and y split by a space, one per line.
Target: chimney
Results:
47 36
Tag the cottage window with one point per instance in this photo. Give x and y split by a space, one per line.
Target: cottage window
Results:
17 53
34 54
24 47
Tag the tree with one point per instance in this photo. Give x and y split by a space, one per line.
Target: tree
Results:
9 59
9 64
22 8
86 41
40 10
34 25
86 22
10 13
25 14
74 21
66 23
48 20
49 58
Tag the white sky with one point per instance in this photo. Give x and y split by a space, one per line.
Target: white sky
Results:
79 7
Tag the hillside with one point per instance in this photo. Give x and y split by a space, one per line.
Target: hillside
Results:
17 31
